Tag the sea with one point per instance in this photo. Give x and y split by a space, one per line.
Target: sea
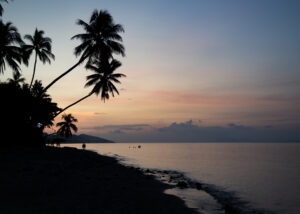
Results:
222 177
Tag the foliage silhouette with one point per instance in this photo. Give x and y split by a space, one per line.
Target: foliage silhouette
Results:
1 8
22 112
41 46
27 108
67 125
101 38
10 54
103 79
17 79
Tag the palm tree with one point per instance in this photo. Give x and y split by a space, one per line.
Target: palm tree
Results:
41 46
37 90
101 38
67 126
102 79
17 79
10 54
1 8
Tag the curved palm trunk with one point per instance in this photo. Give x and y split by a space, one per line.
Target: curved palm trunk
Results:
62 75
83 98
33 70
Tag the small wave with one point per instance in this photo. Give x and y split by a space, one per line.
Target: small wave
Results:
230 202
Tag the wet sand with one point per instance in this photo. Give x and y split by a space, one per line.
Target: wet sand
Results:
68 180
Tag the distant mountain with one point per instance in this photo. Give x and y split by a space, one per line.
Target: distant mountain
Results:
84 138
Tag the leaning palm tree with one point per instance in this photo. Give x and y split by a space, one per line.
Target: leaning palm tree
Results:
103 80
67 126
1 8
41 46
17 79
101 38
10 54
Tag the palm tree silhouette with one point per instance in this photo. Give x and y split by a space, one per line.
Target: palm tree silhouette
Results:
1 8
17 79
67 126
102 79
10 54
41 46
37 90
101 38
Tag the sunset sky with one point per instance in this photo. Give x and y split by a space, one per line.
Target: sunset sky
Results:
191 65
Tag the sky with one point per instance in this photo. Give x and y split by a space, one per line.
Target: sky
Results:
197 70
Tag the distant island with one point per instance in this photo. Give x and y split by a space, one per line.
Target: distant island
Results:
84 138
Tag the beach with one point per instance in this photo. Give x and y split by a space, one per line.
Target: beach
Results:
69 180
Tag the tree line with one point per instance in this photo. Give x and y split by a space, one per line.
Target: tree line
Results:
27 108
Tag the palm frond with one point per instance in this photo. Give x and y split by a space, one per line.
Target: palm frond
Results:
67 125
10 42
73 127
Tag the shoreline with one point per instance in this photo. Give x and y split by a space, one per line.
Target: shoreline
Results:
201 196
69 180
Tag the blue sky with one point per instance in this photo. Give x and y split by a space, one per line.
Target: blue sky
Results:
220 62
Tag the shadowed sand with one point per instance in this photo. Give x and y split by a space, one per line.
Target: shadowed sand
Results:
67 180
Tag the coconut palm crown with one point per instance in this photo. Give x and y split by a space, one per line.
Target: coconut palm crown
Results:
67 125
17 79
103 80
101 38
41 46
11 54
104 77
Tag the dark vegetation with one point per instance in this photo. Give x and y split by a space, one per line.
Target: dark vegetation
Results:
26 107
25 113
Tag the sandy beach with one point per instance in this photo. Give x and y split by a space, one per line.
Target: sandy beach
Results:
68 180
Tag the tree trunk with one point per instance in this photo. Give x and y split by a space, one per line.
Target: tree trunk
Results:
83 98
62 75
33 70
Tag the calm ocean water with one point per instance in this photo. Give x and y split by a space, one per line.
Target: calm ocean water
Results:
265 175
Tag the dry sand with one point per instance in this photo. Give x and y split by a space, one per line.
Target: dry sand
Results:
68 180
